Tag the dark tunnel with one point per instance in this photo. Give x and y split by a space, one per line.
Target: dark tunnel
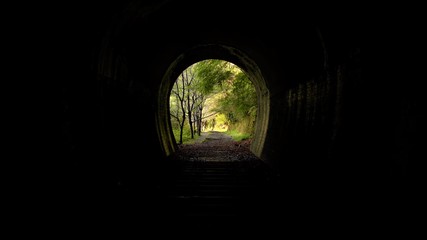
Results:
334 147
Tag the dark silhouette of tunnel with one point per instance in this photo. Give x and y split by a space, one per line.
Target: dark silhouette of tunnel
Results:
319 126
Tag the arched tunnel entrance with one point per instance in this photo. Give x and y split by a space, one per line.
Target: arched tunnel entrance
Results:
298 129
318 120
213 184
212 51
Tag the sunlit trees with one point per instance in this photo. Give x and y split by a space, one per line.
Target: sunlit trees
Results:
186 103
238 103
229 90
177 103
237 96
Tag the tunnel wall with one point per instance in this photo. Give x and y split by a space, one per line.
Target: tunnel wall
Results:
313 144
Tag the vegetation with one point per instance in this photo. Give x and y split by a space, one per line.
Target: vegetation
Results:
238 136
212 95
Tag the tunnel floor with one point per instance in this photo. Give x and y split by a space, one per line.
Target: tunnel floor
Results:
218 183
215 185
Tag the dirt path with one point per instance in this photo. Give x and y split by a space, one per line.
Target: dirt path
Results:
216 146
209 137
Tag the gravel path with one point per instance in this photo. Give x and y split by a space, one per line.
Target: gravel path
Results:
216 146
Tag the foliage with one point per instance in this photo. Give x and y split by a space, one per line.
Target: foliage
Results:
240 101
215 94
186 103
186 134
212 74
237 135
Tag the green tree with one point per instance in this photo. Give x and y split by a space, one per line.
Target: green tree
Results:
212 74
239 103
237 99
177 104
186 103
229 90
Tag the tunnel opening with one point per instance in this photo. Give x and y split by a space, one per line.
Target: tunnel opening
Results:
215 181
198 54
211 96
